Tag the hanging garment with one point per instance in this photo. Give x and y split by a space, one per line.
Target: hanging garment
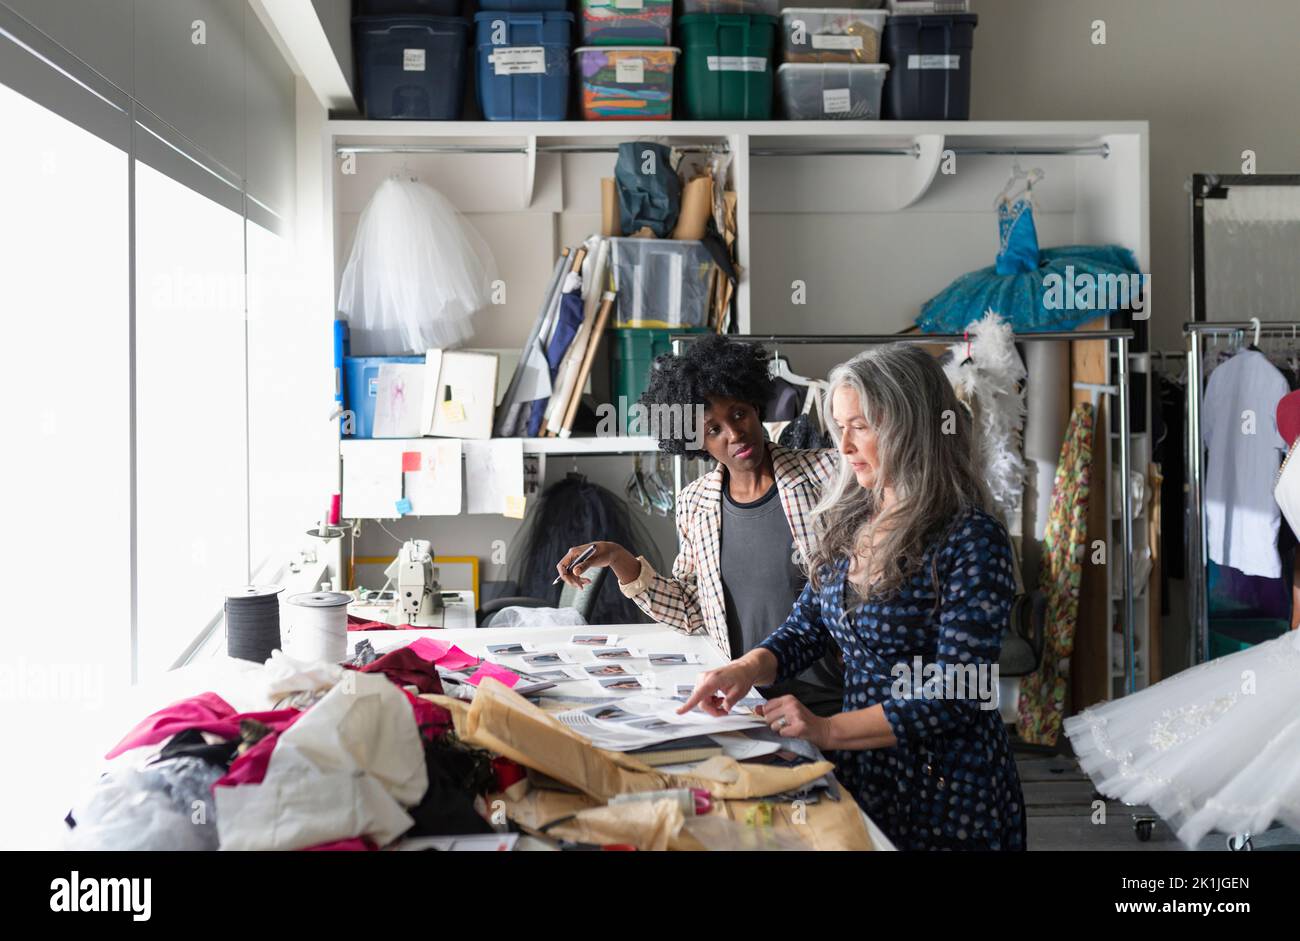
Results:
1170 453
988 376
1042 693
1202 748
1032 289
1244 448
806 433
417 273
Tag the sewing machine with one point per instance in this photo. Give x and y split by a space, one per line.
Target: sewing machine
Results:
417 594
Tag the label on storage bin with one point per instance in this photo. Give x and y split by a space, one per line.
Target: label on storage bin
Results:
629 4
831 41
412 60
934 62
836 101
737 64
519 60
629 71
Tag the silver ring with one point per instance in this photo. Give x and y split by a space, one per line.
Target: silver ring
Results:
781 723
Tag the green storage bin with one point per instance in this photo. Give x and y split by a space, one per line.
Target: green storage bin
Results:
727 66
634 350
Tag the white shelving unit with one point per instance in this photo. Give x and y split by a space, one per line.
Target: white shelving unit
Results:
870 217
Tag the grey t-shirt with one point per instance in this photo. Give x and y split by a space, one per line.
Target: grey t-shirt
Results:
761 580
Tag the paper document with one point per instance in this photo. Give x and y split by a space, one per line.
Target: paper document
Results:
494 471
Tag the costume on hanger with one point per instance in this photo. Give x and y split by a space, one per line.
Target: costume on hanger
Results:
417 273
1216 747
988 376
1014 285
1042 693
1243 446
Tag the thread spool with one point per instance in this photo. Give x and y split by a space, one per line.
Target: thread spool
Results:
318 626
253 622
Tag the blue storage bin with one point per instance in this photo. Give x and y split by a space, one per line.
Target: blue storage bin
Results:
523 65
411 67
361 381
524 6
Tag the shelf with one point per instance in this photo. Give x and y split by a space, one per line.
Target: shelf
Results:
576 446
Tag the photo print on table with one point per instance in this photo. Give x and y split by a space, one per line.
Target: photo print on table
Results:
672 659
623 683
606 669
510 649
613 653
609 713
549 659
594 640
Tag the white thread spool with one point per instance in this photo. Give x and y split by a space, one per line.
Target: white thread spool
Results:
318 626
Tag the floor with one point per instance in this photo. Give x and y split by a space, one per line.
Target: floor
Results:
1059 799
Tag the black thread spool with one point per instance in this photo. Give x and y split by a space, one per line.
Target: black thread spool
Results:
253 622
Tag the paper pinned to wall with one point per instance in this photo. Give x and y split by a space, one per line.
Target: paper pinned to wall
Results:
434 489
372 478
494 470
399 401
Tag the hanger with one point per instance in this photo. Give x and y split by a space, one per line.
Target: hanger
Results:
1029 177
780 369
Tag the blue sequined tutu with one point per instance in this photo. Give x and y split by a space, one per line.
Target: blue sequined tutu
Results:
1052 289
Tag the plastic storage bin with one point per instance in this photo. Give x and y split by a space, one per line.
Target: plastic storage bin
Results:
727 66
627 22
831 34
407 7
812 91
523 65
361 388
411 67
930 67
910 7
661 282
745 7
628 83
634 350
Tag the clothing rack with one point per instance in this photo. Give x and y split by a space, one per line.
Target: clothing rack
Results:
1120 390
1198 547
914 151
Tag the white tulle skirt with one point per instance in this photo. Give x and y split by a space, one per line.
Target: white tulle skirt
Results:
416 275
1214 748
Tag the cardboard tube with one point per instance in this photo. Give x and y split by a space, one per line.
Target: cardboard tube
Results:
610 226
697 204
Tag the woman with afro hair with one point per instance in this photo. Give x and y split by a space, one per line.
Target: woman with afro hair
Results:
743 528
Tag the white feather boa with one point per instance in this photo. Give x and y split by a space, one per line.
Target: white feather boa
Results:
992 386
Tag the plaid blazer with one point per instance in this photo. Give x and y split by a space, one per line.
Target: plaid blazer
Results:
691 600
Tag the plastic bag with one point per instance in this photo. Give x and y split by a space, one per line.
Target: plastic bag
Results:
417 273
163 806
518 616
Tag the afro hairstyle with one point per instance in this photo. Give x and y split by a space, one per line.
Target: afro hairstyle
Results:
712 367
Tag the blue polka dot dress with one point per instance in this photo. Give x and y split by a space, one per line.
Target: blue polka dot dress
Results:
950 783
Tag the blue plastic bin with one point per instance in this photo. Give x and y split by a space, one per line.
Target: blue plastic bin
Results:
361 380
523 65
411 67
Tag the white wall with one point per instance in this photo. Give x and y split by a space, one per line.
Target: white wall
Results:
1213 78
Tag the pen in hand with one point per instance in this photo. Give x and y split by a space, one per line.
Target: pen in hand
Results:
582 557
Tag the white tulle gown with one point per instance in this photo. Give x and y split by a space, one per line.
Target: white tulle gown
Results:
1214 748
416 275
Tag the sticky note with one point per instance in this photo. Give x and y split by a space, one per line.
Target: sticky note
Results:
515 506
506 677
453 411
403 506
411 460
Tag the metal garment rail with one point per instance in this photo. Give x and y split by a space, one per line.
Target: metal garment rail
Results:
914 150
1198 543
1120 390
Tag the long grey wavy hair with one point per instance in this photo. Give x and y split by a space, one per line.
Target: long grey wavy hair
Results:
924 444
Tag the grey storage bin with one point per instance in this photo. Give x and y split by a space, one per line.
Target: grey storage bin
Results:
661 282
832 34
828 91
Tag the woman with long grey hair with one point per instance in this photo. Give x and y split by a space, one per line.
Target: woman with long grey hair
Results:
912 578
